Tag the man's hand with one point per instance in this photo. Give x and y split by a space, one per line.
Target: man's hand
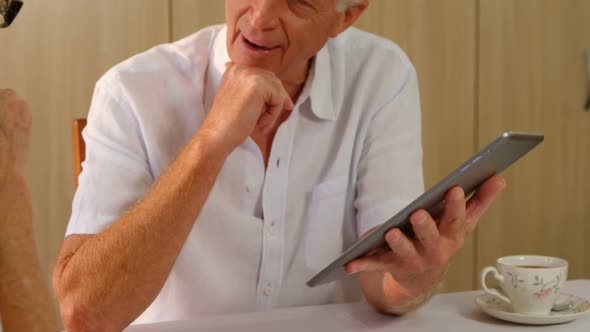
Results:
414 267
15 131
247 98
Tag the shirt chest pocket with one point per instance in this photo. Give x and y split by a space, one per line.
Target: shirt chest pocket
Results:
325 222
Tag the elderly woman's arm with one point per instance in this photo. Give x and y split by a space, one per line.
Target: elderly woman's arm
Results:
25 303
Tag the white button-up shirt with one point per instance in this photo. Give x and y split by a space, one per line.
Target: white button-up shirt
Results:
348 157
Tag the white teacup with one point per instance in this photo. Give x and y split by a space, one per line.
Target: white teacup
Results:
531 284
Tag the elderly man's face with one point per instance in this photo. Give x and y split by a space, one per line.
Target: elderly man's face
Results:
280 35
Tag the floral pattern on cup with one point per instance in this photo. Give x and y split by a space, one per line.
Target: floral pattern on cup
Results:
545 288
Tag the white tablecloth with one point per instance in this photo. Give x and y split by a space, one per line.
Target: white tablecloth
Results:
447 312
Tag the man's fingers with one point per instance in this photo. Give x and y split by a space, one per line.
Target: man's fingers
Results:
5 93
276 102
482 199
376 262
288 104
425 230
277 95
269 116
402 250
452 221
402 247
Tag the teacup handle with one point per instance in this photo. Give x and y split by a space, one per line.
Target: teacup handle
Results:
496 276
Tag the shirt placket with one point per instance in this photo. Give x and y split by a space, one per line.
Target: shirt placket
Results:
274 206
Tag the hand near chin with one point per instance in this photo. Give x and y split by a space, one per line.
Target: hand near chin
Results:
248 98
15 131
415 266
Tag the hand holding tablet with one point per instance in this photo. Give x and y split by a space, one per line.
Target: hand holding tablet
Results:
490 161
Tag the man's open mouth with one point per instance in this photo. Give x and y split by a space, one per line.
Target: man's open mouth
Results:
259 47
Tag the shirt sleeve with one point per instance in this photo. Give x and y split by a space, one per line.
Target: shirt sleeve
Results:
116 172
390 169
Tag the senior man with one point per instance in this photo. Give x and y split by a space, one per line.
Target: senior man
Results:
226 169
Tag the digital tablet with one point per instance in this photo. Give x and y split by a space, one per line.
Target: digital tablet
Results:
491 160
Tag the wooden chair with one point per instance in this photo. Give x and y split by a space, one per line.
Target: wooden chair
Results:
79 146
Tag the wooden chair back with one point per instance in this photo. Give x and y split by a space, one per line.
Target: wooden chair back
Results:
79 146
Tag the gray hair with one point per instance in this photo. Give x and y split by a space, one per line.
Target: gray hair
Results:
342 5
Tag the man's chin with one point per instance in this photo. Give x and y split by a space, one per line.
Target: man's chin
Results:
255 63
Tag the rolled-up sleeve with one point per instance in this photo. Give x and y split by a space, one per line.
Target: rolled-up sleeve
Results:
390 172
116 172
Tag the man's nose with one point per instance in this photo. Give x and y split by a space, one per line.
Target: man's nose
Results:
264 14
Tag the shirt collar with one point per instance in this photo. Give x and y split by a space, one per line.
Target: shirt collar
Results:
321 86
318 86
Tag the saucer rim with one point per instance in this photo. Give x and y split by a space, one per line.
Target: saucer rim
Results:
529 319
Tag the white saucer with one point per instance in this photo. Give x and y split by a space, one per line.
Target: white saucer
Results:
502 310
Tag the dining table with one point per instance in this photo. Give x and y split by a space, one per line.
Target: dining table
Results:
444 312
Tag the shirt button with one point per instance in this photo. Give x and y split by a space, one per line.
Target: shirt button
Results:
272 231
278 162
251 188
267 291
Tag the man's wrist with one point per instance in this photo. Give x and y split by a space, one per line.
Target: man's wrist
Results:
213 142
412 299
411 303
15 204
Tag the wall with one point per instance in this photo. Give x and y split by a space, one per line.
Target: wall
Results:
532 78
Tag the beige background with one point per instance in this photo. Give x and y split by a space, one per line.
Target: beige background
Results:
484 66
532 77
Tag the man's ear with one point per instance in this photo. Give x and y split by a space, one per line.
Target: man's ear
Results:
348 17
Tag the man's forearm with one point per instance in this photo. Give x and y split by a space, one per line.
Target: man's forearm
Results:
25 303
114 276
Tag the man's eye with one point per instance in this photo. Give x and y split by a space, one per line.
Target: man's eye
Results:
304 7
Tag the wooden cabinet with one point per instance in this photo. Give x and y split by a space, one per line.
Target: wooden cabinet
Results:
189 16
532 77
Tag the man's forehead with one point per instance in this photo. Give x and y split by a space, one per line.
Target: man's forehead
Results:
332 3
